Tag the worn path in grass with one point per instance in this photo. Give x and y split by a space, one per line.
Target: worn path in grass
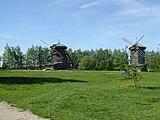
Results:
8 112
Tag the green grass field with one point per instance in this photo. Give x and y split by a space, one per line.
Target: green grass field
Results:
82 95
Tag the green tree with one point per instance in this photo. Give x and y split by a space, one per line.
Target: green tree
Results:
36 57
120 59
7 57
31 58
87 63
123 58
109 60
73 56
79 53
40 57
132 74
100 59
18 56
153 61
46 56
13 57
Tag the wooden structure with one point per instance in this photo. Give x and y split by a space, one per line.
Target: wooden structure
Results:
60 58
137 52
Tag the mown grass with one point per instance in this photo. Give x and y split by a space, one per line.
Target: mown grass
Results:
82 95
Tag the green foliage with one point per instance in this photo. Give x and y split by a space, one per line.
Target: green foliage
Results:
12 57
77 95
35 58
104 59
132 74
153 61
87 63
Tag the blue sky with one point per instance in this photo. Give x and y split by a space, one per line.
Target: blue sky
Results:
84 24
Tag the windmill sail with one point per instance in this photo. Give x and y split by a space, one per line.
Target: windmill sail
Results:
139 39
130 43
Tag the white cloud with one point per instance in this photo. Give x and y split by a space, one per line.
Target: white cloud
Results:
137 8
88 5
143 11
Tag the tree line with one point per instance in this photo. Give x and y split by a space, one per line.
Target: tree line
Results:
35 57
100 59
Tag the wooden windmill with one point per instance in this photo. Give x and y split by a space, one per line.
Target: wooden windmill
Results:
137 52
60 58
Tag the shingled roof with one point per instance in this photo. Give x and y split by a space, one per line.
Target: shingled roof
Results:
137 45
58 45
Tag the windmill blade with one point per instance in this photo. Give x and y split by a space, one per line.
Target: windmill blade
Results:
58 53
44 42
142 54
129 42
139 39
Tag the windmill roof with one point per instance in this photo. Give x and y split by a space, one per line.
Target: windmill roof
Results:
137 45
58 45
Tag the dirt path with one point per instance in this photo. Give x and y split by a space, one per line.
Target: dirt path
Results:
7 112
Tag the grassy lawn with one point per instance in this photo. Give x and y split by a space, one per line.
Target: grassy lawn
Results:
82 95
